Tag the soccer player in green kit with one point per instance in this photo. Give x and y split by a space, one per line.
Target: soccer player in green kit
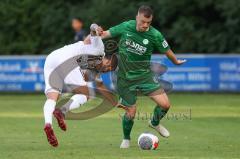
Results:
138 39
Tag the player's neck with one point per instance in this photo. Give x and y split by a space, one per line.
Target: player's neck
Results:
138 30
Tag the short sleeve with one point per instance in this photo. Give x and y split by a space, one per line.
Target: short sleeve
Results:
161 43
118 29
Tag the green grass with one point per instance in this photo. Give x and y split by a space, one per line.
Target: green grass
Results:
212 130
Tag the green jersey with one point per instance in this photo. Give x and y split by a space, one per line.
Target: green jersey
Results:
135 49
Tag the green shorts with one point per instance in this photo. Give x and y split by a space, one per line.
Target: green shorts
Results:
127 89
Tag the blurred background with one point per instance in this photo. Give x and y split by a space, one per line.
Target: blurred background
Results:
202 125
40 26
205 32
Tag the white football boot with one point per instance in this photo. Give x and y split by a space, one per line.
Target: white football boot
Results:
125 144
160 129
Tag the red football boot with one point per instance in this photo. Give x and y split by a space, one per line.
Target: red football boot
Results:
50 135
60 119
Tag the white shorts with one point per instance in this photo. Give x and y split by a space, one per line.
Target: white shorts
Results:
73 79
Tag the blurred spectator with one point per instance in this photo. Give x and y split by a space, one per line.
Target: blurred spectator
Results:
80 33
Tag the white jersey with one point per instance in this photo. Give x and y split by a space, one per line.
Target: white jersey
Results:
79 48
62 66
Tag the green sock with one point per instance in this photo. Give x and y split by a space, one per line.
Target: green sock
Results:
127 124
158 114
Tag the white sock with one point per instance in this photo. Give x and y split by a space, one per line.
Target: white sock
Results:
75 102
78 100
48 109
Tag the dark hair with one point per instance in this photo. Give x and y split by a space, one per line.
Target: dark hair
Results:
78 19
114 61
146 11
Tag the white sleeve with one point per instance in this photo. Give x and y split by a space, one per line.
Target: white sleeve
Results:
95 48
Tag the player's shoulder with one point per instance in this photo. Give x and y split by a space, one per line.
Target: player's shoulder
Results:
129 23
155 32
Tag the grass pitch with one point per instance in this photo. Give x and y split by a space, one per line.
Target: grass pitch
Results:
201 126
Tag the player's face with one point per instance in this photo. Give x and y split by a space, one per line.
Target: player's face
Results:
105 66
143 23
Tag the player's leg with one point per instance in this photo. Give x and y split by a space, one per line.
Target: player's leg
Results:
51 91
49 106
48 109
153 89
76 84
163 105
79 98
127 99
52 94
127 124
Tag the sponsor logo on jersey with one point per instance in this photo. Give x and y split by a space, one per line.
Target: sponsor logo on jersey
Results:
135 47
145 41
165 44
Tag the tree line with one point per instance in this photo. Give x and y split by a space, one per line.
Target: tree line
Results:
190 26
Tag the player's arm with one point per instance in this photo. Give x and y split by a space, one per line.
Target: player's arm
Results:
162 46
94 46
114 31
171 56
106 34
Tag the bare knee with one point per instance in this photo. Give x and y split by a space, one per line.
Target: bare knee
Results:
52 95
165 105
161 99
162 102
82 90
131 111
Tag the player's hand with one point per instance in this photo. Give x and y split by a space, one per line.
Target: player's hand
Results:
180 62
100 30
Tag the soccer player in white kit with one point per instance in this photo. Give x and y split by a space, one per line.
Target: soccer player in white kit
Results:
61 70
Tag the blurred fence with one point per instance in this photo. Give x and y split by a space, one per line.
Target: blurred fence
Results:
211 73
208 73
21 73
